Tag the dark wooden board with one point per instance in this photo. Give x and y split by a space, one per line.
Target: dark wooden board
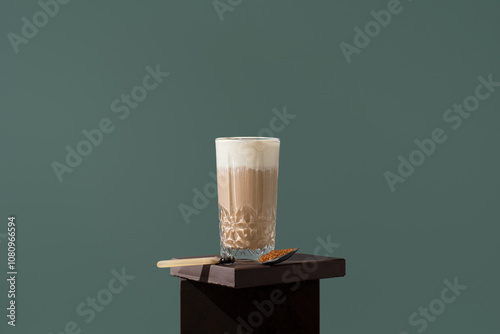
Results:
245 274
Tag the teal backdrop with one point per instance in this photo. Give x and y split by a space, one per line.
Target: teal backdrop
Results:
350 88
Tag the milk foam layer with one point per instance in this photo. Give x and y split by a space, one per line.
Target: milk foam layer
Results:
250 152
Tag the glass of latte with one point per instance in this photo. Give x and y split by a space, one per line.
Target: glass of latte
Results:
247 185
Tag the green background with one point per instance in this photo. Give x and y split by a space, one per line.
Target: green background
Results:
119 207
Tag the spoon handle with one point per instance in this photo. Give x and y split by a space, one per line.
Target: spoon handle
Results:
188 262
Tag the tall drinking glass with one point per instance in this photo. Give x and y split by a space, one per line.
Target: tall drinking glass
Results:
247 185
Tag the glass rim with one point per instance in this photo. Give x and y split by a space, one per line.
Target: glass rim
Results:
247 138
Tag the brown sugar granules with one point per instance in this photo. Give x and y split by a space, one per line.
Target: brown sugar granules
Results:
274 254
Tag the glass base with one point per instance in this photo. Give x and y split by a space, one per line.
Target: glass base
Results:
245 254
